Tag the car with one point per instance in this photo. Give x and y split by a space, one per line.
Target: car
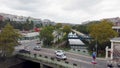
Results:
61 56
24 51
37 48
110 65
38 42
118 64
59 52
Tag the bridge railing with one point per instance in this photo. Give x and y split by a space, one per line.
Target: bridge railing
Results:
50 60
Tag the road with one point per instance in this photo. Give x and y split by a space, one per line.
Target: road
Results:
80 60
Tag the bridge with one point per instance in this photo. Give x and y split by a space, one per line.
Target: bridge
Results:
46 57
81 35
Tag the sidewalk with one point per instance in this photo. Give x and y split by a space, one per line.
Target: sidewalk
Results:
85 55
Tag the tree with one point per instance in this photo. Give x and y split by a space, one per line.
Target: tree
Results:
8 39
82 28
58 25
66 29
102 32
46 35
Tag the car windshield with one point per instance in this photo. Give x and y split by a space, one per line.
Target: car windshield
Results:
61 55
37 46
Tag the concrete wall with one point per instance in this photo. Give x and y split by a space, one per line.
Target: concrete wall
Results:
10 62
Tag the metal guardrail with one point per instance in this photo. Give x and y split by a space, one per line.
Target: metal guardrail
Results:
50 60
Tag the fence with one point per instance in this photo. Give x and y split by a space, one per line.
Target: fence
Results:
49 60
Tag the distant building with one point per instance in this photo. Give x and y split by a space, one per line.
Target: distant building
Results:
23 19
72 36
1 18
47 22
116 26
75 43
29 36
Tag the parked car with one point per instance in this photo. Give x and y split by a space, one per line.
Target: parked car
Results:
37 48
61 56
118 64
24 51
59 52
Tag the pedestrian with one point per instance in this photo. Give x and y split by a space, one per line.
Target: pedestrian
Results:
94 56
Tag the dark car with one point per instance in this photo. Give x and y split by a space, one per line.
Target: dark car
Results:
109 65
24 51
118 64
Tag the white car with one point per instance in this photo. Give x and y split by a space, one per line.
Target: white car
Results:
37 48
59 52
61 56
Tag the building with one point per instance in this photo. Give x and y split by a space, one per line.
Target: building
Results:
113 53
47 22
1 18
75 43
27 37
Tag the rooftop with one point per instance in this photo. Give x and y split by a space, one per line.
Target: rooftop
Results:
75 42
117 39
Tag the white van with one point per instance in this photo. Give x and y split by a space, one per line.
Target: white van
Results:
61 56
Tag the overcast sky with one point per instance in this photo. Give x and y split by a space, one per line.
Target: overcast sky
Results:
66 11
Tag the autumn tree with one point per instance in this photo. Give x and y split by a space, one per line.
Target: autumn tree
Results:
8 39
102 31
66 29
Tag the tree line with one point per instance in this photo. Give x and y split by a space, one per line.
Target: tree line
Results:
21 25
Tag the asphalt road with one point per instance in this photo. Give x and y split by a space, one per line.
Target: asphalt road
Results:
80 60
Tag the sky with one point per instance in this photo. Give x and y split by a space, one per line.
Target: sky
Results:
65 11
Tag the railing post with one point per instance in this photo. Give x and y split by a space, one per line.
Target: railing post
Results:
41 65
106 52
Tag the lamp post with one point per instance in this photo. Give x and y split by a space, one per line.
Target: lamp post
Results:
96 47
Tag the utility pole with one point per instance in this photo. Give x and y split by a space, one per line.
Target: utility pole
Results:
96 47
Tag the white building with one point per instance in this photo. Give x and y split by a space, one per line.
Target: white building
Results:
27 37
75 43
114 51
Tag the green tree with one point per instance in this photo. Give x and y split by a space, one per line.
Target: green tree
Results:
46 35
8 39
66 29
58 25
82 28
28 25
102 32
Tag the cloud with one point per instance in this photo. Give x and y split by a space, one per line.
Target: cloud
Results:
69 11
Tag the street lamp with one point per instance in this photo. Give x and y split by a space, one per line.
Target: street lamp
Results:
96 47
